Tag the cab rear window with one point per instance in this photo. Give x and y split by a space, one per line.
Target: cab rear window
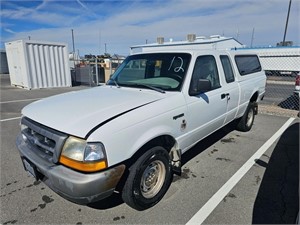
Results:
247 64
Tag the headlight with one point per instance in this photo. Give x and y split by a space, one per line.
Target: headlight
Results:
83 156
23 130
23 127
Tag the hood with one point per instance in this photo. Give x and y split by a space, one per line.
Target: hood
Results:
77 113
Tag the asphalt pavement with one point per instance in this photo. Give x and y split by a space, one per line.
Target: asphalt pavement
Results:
234 177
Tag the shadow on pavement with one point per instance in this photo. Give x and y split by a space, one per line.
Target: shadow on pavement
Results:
112 201
116 199
277 201
208 141
291 102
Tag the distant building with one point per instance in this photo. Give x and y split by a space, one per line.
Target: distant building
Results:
286 43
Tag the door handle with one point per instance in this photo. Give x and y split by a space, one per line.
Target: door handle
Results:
224 95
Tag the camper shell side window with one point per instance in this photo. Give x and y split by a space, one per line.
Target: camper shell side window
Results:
247 64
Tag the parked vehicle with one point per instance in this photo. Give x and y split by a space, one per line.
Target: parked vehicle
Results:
133 131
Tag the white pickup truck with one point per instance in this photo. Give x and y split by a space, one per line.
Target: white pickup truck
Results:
129 135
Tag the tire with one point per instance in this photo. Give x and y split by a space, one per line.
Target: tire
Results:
246 122
148 180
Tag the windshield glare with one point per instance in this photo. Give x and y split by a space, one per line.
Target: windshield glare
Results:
165 71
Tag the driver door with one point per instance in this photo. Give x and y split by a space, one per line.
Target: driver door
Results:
207 110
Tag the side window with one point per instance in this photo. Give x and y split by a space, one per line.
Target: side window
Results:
206 68
227 68
247 64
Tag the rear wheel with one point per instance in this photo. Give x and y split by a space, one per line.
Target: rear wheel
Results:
148 180
246 122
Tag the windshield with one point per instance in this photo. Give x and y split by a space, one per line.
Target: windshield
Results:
157 71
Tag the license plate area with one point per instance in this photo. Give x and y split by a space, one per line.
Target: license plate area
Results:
30 168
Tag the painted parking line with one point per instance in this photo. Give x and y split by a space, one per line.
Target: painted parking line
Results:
213 202
9 119
23 100
15 101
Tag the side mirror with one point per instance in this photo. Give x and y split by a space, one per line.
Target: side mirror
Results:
201 86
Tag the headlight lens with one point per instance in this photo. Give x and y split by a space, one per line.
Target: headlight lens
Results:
83 156
74 148
94 152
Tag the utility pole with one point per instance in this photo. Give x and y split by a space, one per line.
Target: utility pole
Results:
252 38
286 24
73 40
73 47
237 34
99 42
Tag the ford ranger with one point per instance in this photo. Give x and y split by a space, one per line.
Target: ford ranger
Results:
133 131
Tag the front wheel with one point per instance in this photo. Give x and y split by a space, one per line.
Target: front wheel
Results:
148 180
246 122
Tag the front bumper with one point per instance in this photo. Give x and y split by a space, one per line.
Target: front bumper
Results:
81 188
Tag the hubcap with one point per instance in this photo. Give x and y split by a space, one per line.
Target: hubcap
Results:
250 117
153 179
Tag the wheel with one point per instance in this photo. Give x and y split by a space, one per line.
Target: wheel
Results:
245 123
148 180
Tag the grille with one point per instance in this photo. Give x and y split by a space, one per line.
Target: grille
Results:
42 143
48 142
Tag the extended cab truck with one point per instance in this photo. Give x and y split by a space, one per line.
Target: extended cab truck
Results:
156 106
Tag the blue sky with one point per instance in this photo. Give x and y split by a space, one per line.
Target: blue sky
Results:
121 24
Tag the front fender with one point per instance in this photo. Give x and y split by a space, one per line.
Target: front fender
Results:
125 135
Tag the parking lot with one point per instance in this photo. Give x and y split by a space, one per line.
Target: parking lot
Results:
228 178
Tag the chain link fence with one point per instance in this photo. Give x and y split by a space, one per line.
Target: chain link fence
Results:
282 65
280 90
92 73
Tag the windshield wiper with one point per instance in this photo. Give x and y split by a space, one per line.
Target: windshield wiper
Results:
115 82
150 87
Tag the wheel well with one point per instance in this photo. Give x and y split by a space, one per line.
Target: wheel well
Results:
254 97
254 101
165 141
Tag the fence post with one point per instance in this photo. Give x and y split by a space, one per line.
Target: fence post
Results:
96 67
110 67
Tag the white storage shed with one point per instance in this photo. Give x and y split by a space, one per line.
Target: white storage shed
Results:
3 62
36 64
